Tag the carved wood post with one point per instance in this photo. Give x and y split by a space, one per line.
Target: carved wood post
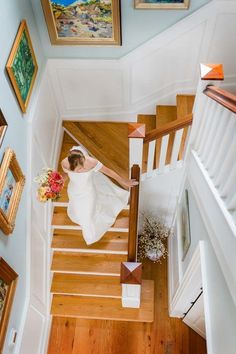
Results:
131 278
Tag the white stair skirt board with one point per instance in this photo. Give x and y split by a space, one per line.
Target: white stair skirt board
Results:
131 294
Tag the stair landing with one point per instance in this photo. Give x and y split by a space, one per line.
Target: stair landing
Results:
105 308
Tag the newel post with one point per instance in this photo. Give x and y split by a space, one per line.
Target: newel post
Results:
131 278
136 135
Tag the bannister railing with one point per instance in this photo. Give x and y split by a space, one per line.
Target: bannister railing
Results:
221 96
133 216
168 128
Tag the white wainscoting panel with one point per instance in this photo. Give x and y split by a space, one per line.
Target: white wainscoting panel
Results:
45 122
39 279
154 73
33 333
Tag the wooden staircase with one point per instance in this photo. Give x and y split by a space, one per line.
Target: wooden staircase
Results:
86 279
166 114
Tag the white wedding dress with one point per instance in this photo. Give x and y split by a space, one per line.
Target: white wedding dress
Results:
94 201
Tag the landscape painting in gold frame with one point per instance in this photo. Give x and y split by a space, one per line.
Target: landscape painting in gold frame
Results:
22 66
12 183
162 4
8 280
83 22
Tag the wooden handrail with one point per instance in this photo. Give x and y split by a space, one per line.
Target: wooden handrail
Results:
133 216
221 96
169 128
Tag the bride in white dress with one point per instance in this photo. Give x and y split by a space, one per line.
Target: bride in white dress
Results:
94 201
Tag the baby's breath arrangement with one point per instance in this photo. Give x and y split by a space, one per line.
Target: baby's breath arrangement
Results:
152 240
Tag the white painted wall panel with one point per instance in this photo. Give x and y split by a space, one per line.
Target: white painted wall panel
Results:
91 88
32 337
39 267
45 122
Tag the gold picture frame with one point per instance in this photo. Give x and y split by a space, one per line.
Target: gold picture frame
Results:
12 183
3 127
22 66
161 5
8 281
76 23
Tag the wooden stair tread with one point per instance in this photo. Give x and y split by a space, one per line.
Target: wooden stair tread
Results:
88 307
87 262
73 239
85 284
60 218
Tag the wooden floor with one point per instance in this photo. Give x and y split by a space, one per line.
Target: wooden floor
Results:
165 336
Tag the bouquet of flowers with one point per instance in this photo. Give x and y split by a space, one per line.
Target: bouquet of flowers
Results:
152 241
50 185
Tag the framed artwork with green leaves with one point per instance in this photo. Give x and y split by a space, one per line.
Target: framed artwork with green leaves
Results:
22 66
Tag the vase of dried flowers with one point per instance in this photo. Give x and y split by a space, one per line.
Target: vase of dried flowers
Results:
152 241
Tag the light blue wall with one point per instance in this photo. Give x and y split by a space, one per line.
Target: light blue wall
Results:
138 26
13 247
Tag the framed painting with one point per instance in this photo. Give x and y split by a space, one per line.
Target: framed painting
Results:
161 4
185 225
83 22
8 280
11 186
3 127
22 66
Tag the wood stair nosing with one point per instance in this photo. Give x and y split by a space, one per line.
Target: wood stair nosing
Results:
105 308
97 263
60 218
83 284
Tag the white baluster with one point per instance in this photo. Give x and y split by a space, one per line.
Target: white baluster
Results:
231 201
229 186
176 146
212 133
151 155
204 119
207 130
227 162
226 138
213 150
164 146
234 216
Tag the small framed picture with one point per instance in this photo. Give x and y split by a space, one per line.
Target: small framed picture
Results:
83 22
22 66
8 280
185 225
161 4
11 186
3 127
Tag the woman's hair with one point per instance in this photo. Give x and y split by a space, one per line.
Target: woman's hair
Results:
76 158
